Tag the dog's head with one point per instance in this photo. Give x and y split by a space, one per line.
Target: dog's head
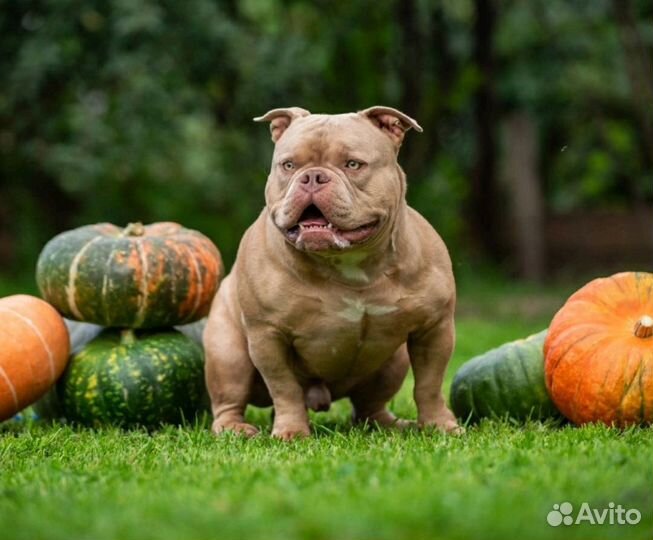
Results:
335 183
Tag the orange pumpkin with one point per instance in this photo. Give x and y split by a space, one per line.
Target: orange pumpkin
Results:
34 348
599 352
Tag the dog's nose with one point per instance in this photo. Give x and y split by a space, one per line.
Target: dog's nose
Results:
314 179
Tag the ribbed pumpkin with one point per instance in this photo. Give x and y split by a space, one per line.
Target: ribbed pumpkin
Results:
128 378
599 352
140 276
504 382
33 351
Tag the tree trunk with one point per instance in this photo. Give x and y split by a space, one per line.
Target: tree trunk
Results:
427 69
411 47
6 240
520 172
484 193
639 67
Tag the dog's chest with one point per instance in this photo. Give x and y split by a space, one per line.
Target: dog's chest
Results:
351 335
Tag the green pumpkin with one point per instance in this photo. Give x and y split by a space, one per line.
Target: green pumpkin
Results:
505 382
142 276
131 378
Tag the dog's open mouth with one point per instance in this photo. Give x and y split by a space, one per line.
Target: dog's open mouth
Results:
315 232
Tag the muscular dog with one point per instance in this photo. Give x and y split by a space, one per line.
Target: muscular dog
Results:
338 286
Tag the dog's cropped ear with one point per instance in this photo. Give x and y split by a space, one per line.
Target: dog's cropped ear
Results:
280 119
392 122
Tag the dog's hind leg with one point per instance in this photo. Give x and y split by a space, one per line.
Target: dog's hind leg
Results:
371 396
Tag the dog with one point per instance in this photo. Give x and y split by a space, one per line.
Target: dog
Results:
338 287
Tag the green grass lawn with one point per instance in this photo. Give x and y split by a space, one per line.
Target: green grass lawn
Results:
496 481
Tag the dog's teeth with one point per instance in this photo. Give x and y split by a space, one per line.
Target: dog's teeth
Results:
314 226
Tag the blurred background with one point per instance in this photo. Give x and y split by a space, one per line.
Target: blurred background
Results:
536 161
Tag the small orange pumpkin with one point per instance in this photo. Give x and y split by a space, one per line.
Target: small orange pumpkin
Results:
34 348
599 352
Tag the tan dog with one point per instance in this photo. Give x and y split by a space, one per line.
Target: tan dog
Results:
337 287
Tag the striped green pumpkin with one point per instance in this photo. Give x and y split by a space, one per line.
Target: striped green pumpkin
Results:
140 277
505 382
131 378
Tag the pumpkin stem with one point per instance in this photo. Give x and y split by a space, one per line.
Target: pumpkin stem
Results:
644 327
127 337
134 229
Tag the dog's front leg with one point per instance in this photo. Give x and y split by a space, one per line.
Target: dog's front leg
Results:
430 349
271 354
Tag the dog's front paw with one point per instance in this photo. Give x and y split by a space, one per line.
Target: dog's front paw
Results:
384 419
446 423
241 428
450 427
289 432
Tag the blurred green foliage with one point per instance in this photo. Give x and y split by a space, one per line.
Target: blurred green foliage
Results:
115 110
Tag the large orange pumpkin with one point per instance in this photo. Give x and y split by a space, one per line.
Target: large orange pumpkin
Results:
34 349
599 352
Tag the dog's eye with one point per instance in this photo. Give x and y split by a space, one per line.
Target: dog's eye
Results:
353 164
288 165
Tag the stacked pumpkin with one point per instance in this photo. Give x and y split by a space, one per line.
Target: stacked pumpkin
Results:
138 283
594 364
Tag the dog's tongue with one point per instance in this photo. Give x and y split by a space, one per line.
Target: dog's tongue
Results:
308 222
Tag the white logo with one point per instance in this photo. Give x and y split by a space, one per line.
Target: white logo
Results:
562 514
